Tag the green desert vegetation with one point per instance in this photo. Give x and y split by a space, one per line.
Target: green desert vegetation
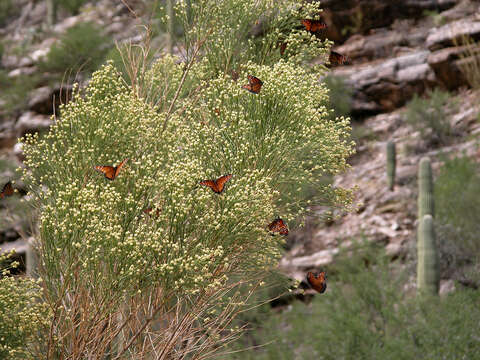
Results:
148 262
429 116
83 47
367 313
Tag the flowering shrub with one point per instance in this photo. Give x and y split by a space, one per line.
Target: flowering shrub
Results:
21 315
151 263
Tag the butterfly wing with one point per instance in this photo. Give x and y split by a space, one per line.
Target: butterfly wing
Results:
221 181
210 183
336 58
108 171
317 282
313 25
254 84
217 185
278 225
7 190
307 23
119 167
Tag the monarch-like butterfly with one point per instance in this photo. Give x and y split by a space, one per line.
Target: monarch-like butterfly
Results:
7 190
318 282
278 225
217 185
148 211
336 58
254 84
313 25
110 172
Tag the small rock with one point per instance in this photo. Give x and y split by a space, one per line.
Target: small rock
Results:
315 260
30 122
41 100
22 71
20 247
446 287
394 249
447 35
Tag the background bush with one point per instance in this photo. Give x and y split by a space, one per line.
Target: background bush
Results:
7 10
73 6
456 187
429 116
339 96
82 47
366 314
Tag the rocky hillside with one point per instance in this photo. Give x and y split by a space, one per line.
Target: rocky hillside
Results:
395 50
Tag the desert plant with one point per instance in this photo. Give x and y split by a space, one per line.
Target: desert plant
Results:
51 12
14 90
73 6
339 96
151 257
430 117
428 275
7 10
456 189
22 316
355 318
279 23
426 199
81 48
391 165
366 314
469 63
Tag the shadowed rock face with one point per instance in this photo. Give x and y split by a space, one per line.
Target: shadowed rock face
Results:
403 52
365 15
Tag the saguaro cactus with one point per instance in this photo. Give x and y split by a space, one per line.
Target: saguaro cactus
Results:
391 164
428 277
425 189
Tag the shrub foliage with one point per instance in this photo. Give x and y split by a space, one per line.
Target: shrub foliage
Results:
366 314
169 281
81 48
21 313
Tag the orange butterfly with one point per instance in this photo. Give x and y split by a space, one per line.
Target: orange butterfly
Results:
318 282
336 58
217 185
278 225
313 25
149 210
110 172
254 84
7 190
